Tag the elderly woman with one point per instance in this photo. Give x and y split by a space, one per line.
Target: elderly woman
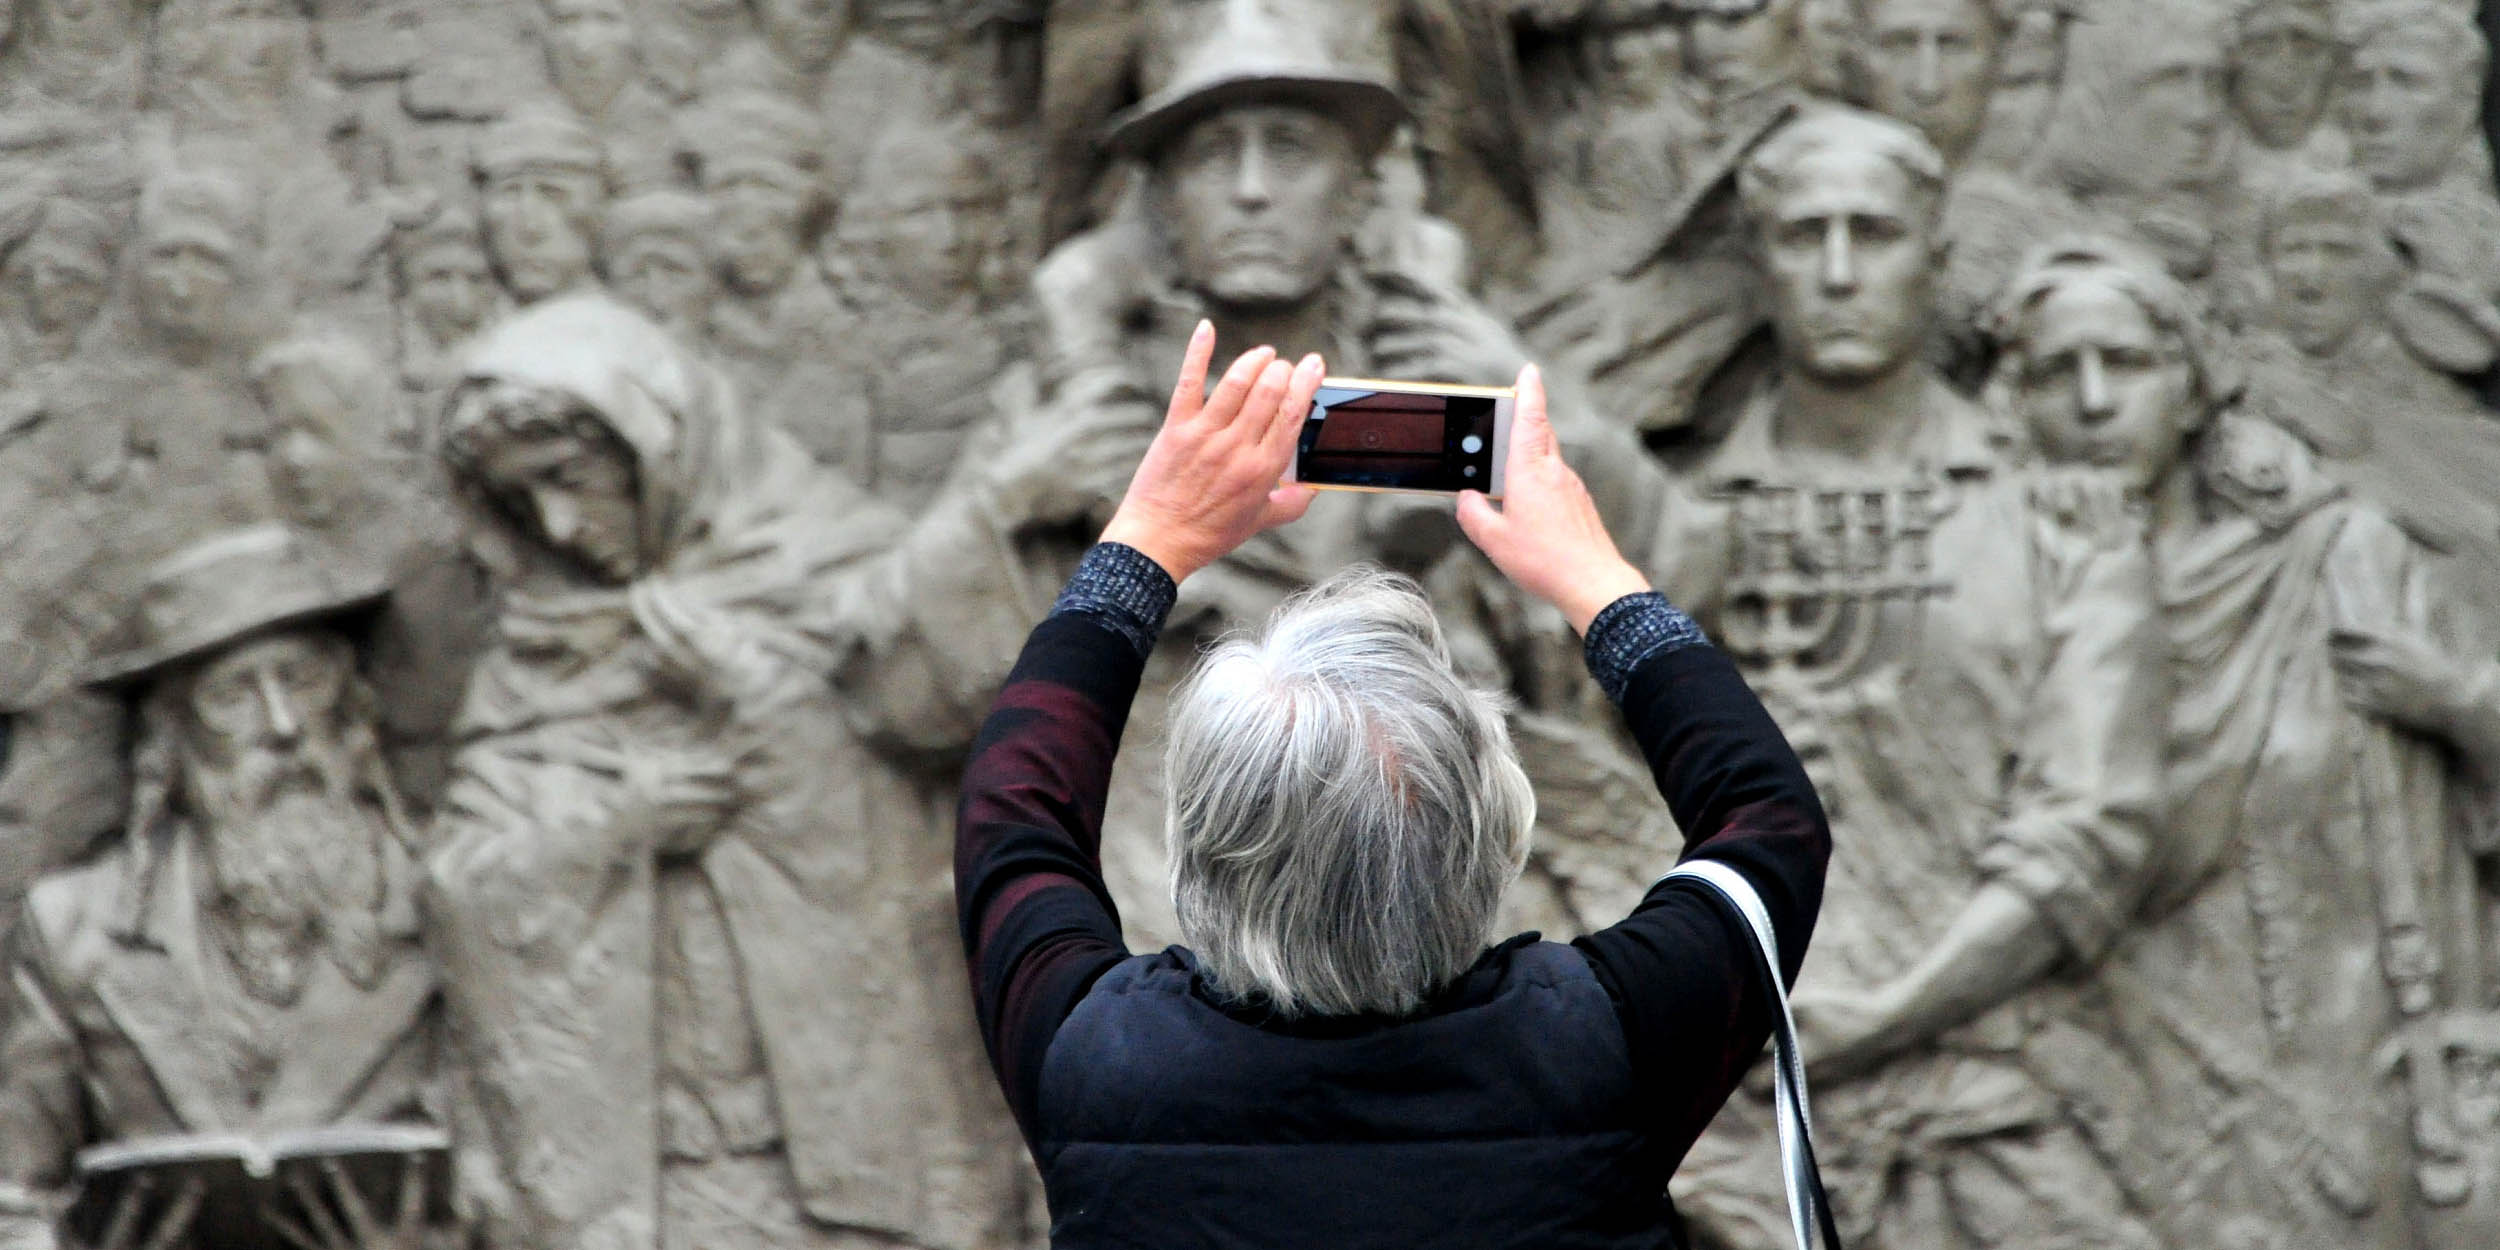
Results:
1341 1055
2313 900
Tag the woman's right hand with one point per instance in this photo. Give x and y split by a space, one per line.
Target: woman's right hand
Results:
1547 535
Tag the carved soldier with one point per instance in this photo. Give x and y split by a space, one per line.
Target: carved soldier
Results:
447 292
56 270
542 186
692 896
2278 1025
2329 364
914 248
1965 672
246 959
594 59
158 415
658 245
1260 126
760 162
2408 100
2286 58
1939 65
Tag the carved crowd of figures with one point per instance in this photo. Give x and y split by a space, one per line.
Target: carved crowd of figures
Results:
510 511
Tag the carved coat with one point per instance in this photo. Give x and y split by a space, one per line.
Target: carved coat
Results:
110 1039
758 987
1978 724
2255 1000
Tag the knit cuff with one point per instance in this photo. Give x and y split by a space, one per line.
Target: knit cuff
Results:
1124 589
1629 632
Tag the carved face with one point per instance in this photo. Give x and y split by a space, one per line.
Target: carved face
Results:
1933 64
246 45
253 708
313 476
574 494
1259 203
1640 61
807 32
590 48
665 276
2176 117
62 287
186 287
1849 246
920 25
2407 112
2101 385
1733 56
537 228
757 227
928 249
2280 77
451 289
2328 281
84 25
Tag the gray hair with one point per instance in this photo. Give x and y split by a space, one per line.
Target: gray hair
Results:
1345 812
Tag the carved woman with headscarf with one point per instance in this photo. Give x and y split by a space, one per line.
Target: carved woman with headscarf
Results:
686 881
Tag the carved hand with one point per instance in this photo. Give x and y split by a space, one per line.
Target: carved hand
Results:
340 1219
2398 675
675 801
1843 1033
1060 466
1213 478
1547 536
1425 337
123 1229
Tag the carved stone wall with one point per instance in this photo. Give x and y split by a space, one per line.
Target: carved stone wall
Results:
286 288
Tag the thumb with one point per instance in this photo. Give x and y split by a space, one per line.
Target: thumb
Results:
1484 524
1285 505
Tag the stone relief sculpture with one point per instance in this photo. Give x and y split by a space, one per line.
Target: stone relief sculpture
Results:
719 388
245 958
2290 999
1865 552
685 794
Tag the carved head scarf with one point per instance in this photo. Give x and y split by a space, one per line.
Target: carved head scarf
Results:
736 525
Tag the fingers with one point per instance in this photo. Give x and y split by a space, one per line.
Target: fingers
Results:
1285 505
1531 432
1483 523
1231 393
359 1216
1299 391
294 1234
411 1190
325 1226
124 1223
177 1219
1191 390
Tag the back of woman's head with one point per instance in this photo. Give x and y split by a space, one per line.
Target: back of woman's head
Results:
1345 812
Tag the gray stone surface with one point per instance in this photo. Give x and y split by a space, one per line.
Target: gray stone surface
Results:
2084 448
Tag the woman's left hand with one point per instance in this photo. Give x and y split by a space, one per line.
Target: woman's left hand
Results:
1213 478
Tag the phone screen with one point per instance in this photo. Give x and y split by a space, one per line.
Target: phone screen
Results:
1399 440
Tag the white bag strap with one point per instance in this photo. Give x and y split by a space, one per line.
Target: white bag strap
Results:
1809 1210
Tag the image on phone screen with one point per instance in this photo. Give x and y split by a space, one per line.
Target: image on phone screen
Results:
1364 438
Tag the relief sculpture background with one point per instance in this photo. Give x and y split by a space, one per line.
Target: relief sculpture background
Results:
511 510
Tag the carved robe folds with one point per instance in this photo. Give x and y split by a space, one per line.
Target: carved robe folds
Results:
721 1029
1966 678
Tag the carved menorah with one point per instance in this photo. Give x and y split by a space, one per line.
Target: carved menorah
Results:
1812 567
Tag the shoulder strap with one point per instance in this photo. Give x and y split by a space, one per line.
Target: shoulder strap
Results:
1809 1208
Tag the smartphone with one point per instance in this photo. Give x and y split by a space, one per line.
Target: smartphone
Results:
1424 437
